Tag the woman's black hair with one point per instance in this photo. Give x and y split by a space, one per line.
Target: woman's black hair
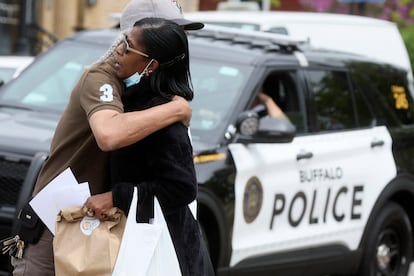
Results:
166 42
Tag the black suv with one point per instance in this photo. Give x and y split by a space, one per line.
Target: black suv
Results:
329 193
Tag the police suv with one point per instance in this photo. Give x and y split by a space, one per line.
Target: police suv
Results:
329 191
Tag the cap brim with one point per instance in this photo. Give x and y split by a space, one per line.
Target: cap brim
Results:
189 25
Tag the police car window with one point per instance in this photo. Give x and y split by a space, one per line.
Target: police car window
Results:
364 112
391 83
332 100
387 86
281 87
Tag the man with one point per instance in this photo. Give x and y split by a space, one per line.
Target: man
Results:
94 124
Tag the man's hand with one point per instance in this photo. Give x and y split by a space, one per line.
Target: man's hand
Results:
185 108
263 98
273 110
96 205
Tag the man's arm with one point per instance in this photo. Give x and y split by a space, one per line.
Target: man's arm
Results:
273 109
114 130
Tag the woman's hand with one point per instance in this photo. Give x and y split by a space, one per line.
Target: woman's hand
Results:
96 205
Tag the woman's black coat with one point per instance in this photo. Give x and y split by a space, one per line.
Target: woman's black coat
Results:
161 165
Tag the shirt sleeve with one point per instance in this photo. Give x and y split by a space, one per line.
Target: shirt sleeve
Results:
101 91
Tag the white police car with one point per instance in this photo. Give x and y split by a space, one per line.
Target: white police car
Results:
11 66
330 193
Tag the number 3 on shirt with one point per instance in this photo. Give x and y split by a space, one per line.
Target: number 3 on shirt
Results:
107 95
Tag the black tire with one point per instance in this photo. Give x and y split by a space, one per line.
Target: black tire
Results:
387 249
210 270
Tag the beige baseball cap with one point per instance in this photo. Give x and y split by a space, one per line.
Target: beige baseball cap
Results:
168 9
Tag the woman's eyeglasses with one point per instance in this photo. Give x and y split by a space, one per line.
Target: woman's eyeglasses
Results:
126 48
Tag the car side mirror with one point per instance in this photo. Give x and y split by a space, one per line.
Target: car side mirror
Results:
1 82
251 128
248 123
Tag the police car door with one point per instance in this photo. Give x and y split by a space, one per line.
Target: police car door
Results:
318 189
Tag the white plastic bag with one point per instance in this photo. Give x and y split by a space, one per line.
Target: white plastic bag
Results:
146 248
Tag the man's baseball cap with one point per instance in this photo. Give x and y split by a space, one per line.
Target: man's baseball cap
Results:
168 9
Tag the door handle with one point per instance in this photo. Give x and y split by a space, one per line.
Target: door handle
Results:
304 155
377 143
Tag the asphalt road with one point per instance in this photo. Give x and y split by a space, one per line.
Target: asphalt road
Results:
411 272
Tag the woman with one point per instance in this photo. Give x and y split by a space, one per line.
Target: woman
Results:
161 164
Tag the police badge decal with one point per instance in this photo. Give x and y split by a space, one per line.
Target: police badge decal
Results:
252 199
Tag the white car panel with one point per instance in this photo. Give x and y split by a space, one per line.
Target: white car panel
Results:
325 198
11 66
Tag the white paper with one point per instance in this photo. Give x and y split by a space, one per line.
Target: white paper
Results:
63 191
71 196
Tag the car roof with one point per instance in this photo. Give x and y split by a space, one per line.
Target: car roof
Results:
375 38
222 38
259 47
238 45
270 17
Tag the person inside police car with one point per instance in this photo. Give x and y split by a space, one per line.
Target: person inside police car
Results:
162 164
264 104
94 123
272 109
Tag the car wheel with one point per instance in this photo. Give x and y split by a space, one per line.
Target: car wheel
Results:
388 246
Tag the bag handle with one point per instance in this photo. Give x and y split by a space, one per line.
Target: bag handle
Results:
145 208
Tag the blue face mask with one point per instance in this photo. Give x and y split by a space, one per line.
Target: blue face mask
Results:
132 80
136 78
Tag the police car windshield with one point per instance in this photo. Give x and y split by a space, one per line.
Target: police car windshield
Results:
217 89
48 82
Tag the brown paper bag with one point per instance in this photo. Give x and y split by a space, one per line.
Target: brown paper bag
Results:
87 246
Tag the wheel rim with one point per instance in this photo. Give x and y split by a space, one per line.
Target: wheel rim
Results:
388 256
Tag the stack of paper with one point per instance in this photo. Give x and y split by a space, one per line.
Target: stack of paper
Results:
62 192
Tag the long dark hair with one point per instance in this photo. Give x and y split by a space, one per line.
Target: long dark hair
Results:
166 42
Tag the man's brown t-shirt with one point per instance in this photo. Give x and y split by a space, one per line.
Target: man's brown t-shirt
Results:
73 145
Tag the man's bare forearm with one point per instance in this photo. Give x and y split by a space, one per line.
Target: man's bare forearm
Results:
113 130
145 122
